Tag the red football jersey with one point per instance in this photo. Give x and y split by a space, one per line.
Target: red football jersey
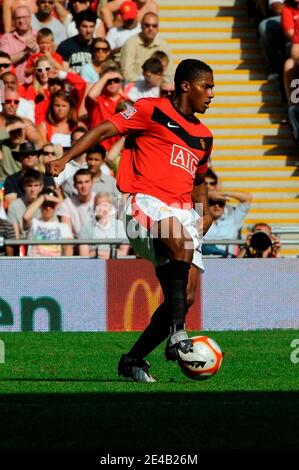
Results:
164 151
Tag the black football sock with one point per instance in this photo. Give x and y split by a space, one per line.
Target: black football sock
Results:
156 332
173 277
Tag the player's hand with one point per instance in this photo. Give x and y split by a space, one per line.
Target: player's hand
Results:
55 167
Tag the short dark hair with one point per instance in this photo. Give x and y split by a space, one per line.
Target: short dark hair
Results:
82 171
97 149
44 33
153 65
189 70
86 15
31 176
211 174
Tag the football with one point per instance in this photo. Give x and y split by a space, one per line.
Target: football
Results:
203 361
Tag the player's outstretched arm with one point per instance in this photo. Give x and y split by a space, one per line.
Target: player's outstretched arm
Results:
87 141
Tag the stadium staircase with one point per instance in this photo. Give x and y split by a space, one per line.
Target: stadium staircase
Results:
253 147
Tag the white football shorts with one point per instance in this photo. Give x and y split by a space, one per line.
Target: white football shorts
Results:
141 213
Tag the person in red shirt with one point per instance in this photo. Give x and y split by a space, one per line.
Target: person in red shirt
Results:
290 26
163 168
103 98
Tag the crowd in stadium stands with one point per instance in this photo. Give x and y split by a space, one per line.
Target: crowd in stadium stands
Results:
278 31
66 66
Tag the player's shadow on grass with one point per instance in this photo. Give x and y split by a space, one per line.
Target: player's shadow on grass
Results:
149 420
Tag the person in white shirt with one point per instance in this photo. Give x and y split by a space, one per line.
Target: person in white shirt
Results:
104 225
46 227
149 85
118 35
77 210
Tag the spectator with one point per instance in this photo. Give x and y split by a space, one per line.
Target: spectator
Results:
272 40
5 63
10 138
60 119
44 18
48 153
100 181
261 245
76 51
26 108
69 17
290 26
10 106
46 227
38 90
8 7
149 85
212 180
45 41
164 59
104 225
100 52
103 98
74 165
167 89
7 232
77 210
226 221
112 7
31 184
59 80
27 155
140 47
21 42
118 35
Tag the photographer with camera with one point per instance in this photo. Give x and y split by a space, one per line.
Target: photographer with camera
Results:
46 227
261 243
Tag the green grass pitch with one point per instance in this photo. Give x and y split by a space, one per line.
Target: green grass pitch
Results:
62 391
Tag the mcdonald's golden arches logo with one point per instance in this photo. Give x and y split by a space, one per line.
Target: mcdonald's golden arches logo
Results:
152 297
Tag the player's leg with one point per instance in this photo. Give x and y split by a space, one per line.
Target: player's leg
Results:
159 327
175 244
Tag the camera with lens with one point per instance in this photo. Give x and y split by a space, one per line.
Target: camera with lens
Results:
260 242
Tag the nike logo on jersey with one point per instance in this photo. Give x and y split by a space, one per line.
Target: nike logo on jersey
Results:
196 142
172 125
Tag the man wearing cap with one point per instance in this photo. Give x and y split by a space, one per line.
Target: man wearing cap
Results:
117 36
140 47
112 7
27 155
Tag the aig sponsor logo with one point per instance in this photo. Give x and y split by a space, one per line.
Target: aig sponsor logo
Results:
185 159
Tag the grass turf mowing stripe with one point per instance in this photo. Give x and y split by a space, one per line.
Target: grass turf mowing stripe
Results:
61 390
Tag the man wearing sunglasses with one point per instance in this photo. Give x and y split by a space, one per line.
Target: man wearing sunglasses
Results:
227 220
140 47
44 18
10 104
